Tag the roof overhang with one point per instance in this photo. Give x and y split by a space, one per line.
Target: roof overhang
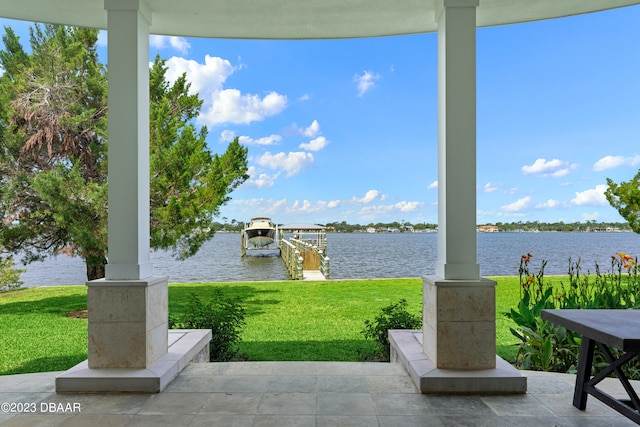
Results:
296 19
302 227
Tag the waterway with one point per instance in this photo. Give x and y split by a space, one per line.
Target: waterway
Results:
361 255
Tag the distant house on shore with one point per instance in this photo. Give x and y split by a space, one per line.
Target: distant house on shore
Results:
487 229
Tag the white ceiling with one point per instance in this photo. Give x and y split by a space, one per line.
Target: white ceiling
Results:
296 19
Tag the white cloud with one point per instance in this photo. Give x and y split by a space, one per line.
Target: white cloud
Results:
306 206
549 204
229 135
369 197
433 185
282 206
304 97
260 180
312 130
292 163
518 205
552 168
365 82
407 206
316 144
378 210
489 188
178 43
541 166
208 77
265 140
231 106
610 162
559 173
592 197
260 206
306 210
223 105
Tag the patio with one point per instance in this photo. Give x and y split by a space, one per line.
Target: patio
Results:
303 394
459 304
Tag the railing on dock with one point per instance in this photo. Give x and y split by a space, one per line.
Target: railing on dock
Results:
292 259
313 257
306 242
324 264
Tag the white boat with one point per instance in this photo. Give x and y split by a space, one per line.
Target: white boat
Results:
260 232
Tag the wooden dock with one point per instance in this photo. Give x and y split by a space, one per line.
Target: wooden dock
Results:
303 249
312 275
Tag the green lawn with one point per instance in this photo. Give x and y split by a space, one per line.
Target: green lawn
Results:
289 320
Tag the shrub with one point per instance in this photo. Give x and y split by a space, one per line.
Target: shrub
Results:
547 347
9 275
394 316
224 316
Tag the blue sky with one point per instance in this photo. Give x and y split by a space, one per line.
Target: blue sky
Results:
346 130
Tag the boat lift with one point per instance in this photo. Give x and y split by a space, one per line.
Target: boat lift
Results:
246 246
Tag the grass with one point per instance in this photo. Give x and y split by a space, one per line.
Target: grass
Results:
37 335
288 320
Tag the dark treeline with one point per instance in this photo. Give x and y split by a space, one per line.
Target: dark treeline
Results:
563 226
403 226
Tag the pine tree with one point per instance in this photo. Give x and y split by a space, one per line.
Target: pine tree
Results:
53 153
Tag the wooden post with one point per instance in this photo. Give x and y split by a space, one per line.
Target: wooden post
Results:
327 267
299 261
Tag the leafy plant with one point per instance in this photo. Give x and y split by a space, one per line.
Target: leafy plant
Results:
224 316
547 347
625 198
394 316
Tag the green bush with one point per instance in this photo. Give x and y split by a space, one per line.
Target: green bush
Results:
224 316
547 347
394 316
9 275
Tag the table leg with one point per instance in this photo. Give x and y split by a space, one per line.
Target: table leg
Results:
585 362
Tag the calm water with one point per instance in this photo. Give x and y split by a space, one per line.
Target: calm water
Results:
366 256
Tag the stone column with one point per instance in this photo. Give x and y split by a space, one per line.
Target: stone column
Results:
128 309
459 307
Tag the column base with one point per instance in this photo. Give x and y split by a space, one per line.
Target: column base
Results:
406 349
459 323
185 346
127 322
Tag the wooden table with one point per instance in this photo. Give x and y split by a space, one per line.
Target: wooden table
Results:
618 329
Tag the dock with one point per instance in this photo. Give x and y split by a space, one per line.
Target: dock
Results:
303 248
313 275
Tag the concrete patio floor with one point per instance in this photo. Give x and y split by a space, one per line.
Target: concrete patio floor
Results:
283 394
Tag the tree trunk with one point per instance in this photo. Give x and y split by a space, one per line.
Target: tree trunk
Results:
95 268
